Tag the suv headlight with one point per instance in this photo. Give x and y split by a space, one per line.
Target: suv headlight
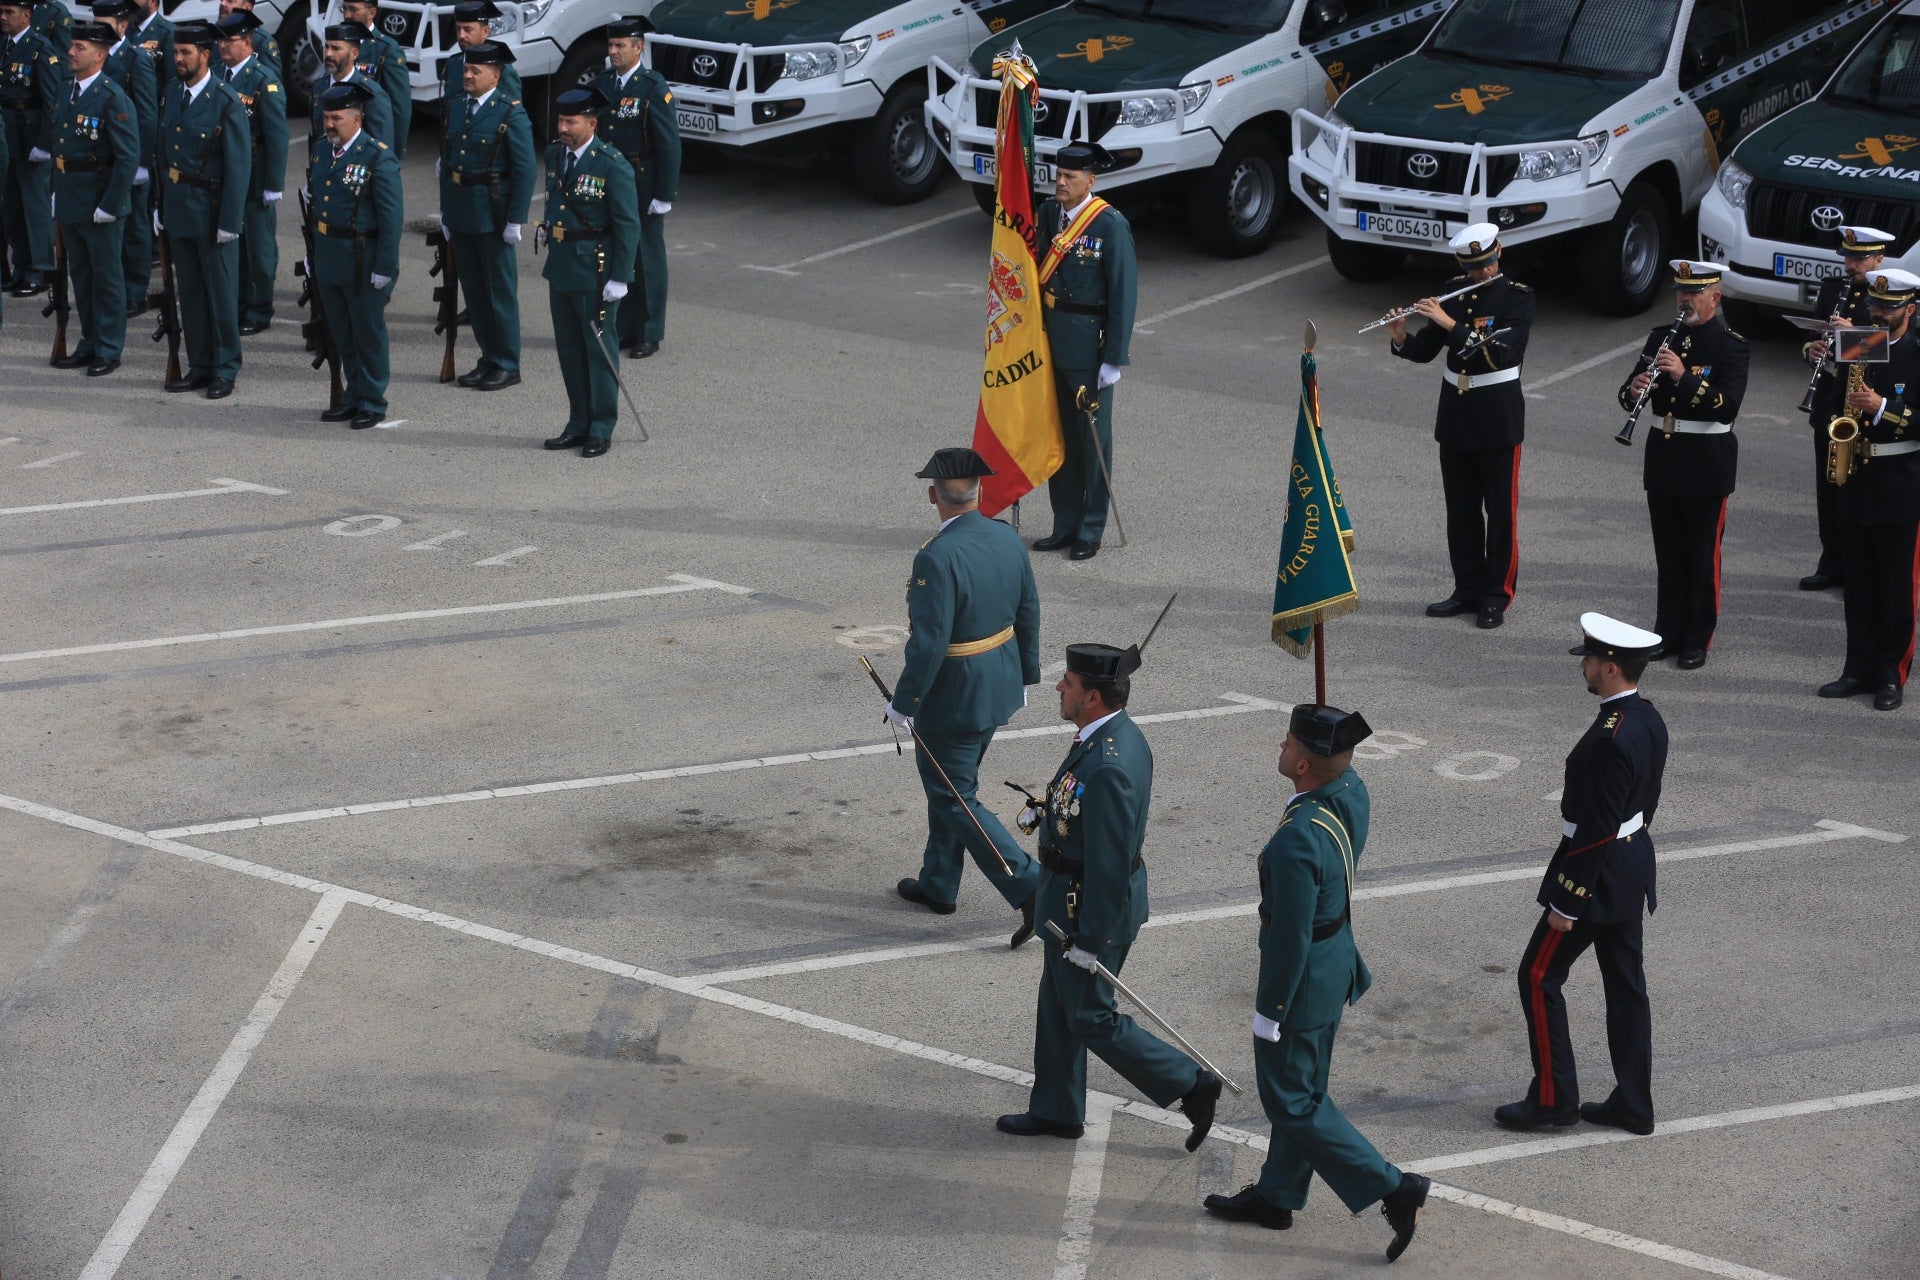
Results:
851 51
1555 162
1141 112
509 20
1733 183
811 64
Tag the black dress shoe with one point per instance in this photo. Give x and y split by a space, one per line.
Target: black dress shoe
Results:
910 890
1659 652
25 290
1054 542
496 380
1199 1106
565 440
644 350
252 327
1817 581
139 306
1246 1205
101 368
1084 551
361 421
343 414
1451 607
1531 1115
1844 687
472 376
1028 1125
1888 698
1691 659
74 360
1491 616
1025 931
1401 1208
220 388
594 448
197 382
1603 1113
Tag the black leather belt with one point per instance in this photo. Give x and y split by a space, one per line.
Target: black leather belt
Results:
193 180
1074 308
477 179
1073 867
1321 932
82 166
334 231
561 235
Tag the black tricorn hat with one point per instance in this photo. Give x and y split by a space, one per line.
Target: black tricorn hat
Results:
114 9
586 100
476 11
1328 731
351 32
954 464
489 53
1102 663
350 95
200 34
96 33
238 23
1089 157
633 28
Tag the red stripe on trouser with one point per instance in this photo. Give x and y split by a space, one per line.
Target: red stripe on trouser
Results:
1542 1036
1913 606
1719 532
1513 524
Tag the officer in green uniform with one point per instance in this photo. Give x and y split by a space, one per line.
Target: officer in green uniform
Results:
205 167
974 647
33 82
355 188
154 32
96 148
265 99
1310 971
6 168
131 67
265 47
1093 824
1088 278
385 63
472 27
592 224
341 53
51 19
486 188
641 123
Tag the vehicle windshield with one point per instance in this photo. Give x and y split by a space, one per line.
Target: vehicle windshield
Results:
1605 39
1884 71
1254 17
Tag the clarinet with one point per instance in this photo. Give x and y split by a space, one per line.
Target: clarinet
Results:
1633 419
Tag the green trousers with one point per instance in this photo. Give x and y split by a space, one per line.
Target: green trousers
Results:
259 262
99 293
1078 490
208 277
1310 1135
643 312
489 277
949 832
593 396
357 315
23 211
136 248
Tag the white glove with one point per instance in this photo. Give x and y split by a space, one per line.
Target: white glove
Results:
1031 816
614 291
895 718
224 237
512 233
157 228
1084 959
444 233
1266 1028
380 281
1109 374
101 217
270 197
38 156
660 206
141 177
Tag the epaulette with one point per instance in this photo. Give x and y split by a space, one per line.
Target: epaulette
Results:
1457 280
1515 284
1740 338
381 145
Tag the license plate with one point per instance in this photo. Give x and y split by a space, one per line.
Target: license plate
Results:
1787 267
1399 224
704 123
1042 173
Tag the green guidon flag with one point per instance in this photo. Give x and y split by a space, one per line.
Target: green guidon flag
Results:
1315 579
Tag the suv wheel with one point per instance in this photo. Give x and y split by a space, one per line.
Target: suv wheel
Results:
895 160
300 59
1233 207
1623 262
583 62
1365 262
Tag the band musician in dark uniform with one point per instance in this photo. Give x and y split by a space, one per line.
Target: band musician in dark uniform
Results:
1842 301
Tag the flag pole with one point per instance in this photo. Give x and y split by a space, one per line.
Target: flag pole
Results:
1319 628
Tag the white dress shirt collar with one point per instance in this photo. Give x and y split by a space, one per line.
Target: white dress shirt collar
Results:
1615 697
81 86
196 89
1094 728
480 100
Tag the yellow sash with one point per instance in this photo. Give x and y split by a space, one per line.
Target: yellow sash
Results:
1057 251
968 648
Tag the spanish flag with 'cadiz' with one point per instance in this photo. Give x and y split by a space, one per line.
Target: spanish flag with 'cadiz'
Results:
1017 427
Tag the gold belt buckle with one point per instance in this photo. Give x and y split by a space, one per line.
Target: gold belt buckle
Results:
321 227
1466 382
1667 426
173 175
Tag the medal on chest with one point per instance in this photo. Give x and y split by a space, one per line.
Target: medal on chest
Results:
1063 802
354 176
629 109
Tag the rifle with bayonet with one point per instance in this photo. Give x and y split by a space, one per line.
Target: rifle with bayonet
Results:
314 329
447 294
58 305
168 303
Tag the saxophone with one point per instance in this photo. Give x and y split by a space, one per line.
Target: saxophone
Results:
1843 433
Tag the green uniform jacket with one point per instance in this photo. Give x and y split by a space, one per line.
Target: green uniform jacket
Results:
267 49
131 67
361 191
496 140
1100 270
32 83
453 70
378 119
265 100
51 19
385 63
96 148
598 199
1094 832
205 142
640 123
970 581
155 35
1306 881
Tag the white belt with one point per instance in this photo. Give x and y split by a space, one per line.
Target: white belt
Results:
1468 381
1892 450
1687 428
1627 828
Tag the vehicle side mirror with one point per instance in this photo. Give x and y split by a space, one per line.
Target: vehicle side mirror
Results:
1702 60
1331 13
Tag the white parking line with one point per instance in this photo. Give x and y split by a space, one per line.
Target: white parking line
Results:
1241 703
1605 357
226 486
788 269
1083 1192
199 1114
55 460
683 582
1140 326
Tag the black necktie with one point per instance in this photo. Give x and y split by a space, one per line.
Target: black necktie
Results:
566 170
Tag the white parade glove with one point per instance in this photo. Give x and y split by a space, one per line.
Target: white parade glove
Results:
1023 696
895 718
380 281
270 197
224 237
444 233
660 206
614 291
102 217
38 156
1109 374
1266 1028
157 228
1031 816
141 177
512 233
1083 959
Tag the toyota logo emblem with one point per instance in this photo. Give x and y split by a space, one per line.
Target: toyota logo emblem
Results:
1826 218
1040 110
706 64
1422 165
394 23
